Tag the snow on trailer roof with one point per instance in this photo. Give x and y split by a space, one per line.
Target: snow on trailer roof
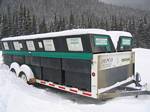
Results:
116 34
58 34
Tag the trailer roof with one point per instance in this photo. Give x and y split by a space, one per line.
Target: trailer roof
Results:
58 34
116 34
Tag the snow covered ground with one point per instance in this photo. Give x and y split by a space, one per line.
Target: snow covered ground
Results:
16 96
142 60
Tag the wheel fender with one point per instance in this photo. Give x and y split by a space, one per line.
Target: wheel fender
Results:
16 67
27 70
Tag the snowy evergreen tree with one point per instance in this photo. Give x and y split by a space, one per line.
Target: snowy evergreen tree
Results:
71 21
63 15
5 27
27 23
43 27
34 25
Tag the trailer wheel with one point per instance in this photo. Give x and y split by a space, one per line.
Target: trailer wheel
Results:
13 70
23 77
27 71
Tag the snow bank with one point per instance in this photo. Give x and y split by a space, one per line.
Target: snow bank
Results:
16 96
142 66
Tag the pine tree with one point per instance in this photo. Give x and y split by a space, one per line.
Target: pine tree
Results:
148 35
43 27
89 24
130 26
145 19
20 20
34 25
114 25
55 25
5 27
0 18
71 21
106 25
9 21
15 31
0 24
27 23
102 24
61 24
141 35
83 21
120 25
51 29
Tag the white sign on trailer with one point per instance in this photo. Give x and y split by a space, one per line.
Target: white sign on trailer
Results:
49 45
16 45
126 41
21 46
30 45
74 44
101 41
40 44
6 45
113 60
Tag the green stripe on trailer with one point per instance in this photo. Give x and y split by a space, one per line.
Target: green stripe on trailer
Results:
86 56
17 53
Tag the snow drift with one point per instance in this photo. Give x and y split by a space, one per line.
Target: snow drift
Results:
16 96
142 66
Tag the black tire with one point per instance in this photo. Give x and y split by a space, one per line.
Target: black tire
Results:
23 77
13 70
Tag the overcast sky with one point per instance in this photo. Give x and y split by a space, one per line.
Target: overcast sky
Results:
140 4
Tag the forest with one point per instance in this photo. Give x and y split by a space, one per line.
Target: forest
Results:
24 20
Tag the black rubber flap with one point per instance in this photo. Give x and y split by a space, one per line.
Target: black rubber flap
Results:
53 75
76 65
36 61
78 80
54 63
37 71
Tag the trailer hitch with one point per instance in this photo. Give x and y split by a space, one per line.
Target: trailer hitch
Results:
137 80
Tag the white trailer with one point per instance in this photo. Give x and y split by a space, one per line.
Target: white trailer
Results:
89 62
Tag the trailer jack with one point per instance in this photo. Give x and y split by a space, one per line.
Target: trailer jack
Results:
137 80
